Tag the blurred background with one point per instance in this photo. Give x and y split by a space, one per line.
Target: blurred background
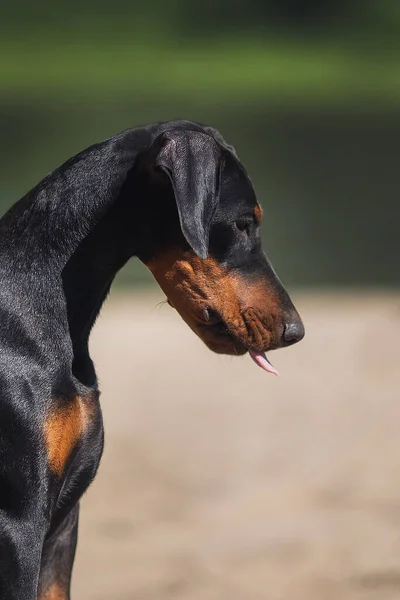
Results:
217 481
307 90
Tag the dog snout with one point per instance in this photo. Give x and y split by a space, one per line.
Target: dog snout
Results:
293 331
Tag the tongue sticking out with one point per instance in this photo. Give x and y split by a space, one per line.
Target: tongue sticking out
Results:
262 361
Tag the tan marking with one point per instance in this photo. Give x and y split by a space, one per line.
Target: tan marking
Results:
191 284
54 592
62 429
258 213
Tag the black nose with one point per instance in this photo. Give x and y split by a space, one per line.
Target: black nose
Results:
293 332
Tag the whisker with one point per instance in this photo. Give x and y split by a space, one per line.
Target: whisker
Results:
161 304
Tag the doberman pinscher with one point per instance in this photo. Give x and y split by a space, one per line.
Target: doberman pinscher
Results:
176 196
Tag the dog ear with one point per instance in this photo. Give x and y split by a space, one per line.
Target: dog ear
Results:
191 159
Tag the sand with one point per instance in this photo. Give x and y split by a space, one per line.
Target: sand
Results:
220 481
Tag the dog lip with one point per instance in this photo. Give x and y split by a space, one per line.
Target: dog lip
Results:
219 338
228 346
211 317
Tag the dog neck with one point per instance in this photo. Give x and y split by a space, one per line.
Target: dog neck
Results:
74 231
89 273
93 261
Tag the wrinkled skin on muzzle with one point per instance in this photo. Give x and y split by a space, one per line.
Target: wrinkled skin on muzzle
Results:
230 311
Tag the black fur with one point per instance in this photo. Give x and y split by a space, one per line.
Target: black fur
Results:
60 249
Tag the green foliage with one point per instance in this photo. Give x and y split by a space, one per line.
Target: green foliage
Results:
307 90
228 70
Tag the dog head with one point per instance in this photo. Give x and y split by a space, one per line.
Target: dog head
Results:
209 259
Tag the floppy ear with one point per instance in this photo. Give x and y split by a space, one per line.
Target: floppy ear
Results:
191 159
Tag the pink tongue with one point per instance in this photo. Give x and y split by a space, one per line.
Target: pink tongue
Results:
262 361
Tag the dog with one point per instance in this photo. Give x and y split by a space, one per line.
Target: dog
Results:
176 196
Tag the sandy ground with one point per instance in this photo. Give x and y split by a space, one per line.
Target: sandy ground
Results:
220 481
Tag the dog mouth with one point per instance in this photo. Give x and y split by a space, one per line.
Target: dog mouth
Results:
219 338
230 314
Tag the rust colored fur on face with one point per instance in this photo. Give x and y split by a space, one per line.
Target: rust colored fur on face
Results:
63 427
258 213
248 308
54 592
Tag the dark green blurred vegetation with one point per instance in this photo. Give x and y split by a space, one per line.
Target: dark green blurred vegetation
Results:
307 91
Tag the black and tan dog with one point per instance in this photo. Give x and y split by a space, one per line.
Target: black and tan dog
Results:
176 196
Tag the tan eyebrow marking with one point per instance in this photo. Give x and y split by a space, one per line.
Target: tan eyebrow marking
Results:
258 213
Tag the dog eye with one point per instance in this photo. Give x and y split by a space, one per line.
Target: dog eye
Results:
243 226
